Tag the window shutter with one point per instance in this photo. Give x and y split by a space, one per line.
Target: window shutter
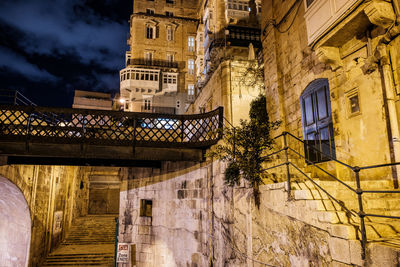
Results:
157 35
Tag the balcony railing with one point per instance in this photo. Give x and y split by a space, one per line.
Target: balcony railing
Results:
14 97
236 36
158 109
151 63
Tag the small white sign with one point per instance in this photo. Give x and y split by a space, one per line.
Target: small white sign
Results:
57 224
123 253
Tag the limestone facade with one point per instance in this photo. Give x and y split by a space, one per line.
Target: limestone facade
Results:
354 51
349 56
225 34
160 65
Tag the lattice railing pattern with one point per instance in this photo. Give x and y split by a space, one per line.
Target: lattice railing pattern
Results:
66 125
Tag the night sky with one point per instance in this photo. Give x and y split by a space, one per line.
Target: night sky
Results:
49 48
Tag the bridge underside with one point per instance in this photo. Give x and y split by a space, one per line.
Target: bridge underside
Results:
94 155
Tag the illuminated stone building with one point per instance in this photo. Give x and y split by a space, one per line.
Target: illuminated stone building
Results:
160 65
226 31
331 71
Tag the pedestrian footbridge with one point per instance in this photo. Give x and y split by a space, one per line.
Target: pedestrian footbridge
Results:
67 136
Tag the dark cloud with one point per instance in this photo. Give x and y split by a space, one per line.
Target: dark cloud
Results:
63 45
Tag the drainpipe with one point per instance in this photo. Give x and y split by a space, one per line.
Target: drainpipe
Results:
389 98
391 113
396 8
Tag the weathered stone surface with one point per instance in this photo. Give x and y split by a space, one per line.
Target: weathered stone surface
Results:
15 225
54 195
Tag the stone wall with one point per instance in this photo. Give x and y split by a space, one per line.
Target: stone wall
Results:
196 219
291 65
175 232
55 196
229 86
104 188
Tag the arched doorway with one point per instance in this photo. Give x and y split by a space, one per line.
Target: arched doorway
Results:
317 122
15 225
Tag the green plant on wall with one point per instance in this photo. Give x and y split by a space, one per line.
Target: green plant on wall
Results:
244 145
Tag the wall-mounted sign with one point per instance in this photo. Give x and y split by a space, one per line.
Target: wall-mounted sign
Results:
123 253
57 222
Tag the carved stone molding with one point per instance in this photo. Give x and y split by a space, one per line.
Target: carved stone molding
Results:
330 56
380 13
370 65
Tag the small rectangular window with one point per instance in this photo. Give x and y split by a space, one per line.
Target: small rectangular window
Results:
147 104
149 11
170 34
191 66
353 102
191 89
170 58
148 57
169 13
146 207
150 32
169 1
191 43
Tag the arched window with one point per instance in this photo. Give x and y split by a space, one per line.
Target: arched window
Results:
317 122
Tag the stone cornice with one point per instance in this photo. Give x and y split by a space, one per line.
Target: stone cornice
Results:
153 16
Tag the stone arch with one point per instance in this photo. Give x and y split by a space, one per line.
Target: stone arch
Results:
15 225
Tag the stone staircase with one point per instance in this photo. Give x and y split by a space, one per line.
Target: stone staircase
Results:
312 206
90 242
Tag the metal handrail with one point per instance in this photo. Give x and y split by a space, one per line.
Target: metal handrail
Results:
317 150
323 190
358 190
318 167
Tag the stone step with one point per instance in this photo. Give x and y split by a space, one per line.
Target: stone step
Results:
374 231
90 242
365 185
77 255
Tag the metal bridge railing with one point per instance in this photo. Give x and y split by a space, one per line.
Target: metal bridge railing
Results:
361 214
14 97
99 127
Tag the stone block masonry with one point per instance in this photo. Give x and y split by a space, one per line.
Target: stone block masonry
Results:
53 196
175 233
223 227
